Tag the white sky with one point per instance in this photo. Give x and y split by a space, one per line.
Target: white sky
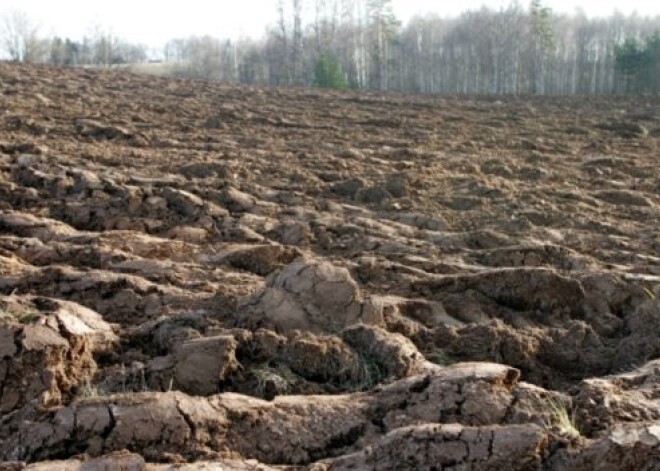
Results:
153 22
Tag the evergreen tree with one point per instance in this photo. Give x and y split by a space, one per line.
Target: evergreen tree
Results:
328 73
638 64
653 59
542 44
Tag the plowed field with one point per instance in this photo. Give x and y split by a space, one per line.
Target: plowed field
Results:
203 276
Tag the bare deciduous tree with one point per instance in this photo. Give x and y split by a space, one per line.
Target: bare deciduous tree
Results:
512 50
19 37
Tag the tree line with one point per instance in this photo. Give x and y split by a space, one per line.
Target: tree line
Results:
21 42
361 44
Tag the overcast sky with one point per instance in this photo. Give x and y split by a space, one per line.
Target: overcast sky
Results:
153 22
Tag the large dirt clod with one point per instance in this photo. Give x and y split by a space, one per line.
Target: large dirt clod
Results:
310 295
47 350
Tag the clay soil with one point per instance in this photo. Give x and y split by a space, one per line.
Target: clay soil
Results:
202 276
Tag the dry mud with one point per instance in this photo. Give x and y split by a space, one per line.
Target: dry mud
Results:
197 276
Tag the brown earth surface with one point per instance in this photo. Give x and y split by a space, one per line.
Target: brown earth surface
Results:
198 276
